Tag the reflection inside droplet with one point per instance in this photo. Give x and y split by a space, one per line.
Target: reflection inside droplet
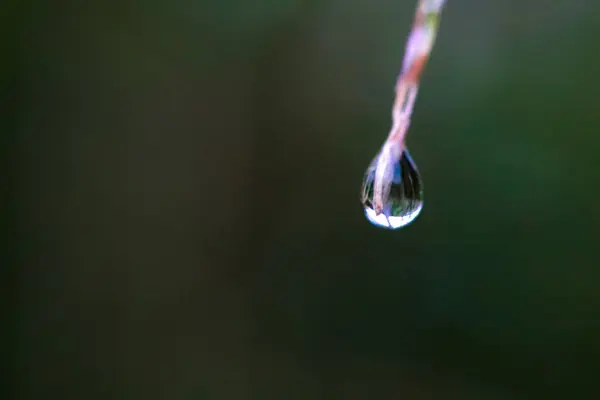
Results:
405 199
391 222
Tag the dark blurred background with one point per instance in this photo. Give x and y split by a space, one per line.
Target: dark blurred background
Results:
183 208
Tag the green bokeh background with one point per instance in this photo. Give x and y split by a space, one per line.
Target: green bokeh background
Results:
184 191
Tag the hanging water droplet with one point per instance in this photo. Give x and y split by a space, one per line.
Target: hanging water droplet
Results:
398 199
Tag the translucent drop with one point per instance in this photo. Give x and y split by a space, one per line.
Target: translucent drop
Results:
404 201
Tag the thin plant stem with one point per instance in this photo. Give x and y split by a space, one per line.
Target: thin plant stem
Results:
418 48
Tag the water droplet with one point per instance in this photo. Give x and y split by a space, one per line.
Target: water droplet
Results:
398 199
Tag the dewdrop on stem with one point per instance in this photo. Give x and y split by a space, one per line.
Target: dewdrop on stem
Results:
392 190
398 199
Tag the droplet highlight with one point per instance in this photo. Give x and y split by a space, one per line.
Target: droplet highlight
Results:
402 199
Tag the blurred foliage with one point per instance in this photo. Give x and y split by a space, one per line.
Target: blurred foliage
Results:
184 191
